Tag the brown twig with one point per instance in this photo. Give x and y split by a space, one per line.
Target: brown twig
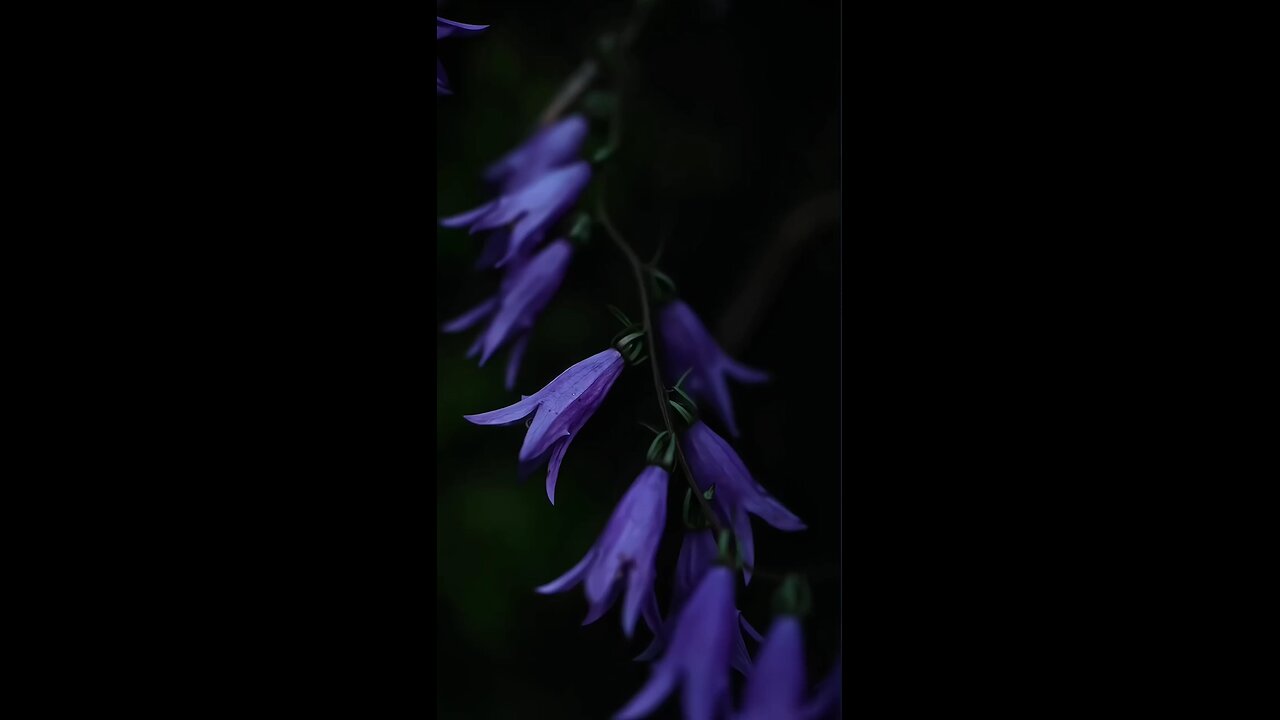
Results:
759 286
573 87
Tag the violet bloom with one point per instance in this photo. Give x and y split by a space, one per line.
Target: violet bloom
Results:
687 346
713 462
526 289
559 411
776 688
528 211
624 554
698 553
444 29
548 149
697 657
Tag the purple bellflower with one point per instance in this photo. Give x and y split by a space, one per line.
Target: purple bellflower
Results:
449 28
559 411
698 554
548 149
687 346
526 212
698 655
624 554
713 462
552 147
526 289
776 688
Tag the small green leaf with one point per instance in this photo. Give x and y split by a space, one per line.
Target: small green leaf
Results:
710 494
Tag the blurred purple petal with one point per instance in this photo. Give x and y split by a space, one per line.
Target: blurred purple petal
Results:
688 346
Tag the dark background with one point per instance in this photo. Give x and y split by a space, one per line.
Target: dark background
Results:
730 152
261 402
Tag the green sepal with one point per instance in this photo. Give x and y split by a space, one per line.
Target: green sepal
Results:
688 419
793 597
581 232
682 378
725 554
664 288
603 154
621 316
688 401
599 104
658 454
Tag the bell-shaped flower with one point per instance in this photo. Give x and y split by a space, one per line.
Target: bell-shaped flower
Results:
559 411
698 656
698 553
526 212
713 462
444 29
777 686
550 148
624 553
547 150
687 346
526 289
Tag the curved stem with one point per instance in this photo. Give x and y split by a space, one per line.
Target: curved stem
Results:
637 269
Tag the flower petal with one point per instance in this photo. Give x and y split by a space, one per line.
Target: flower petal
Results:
767 508
743 373
571 578
471 317
742 531
755 635
598 607
513 359
470 216
659 686
508 415
553 467
741 658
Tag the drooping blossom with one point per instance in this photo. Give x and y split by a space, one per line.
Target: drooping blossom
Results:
777 686
559 411
547 150
526 289
698 553
698 656
713 462
526 212
624 553
687 346
550 148
444 29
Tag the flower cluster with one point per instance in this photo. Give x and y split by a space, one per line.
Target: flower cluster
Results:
702 640
539 179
